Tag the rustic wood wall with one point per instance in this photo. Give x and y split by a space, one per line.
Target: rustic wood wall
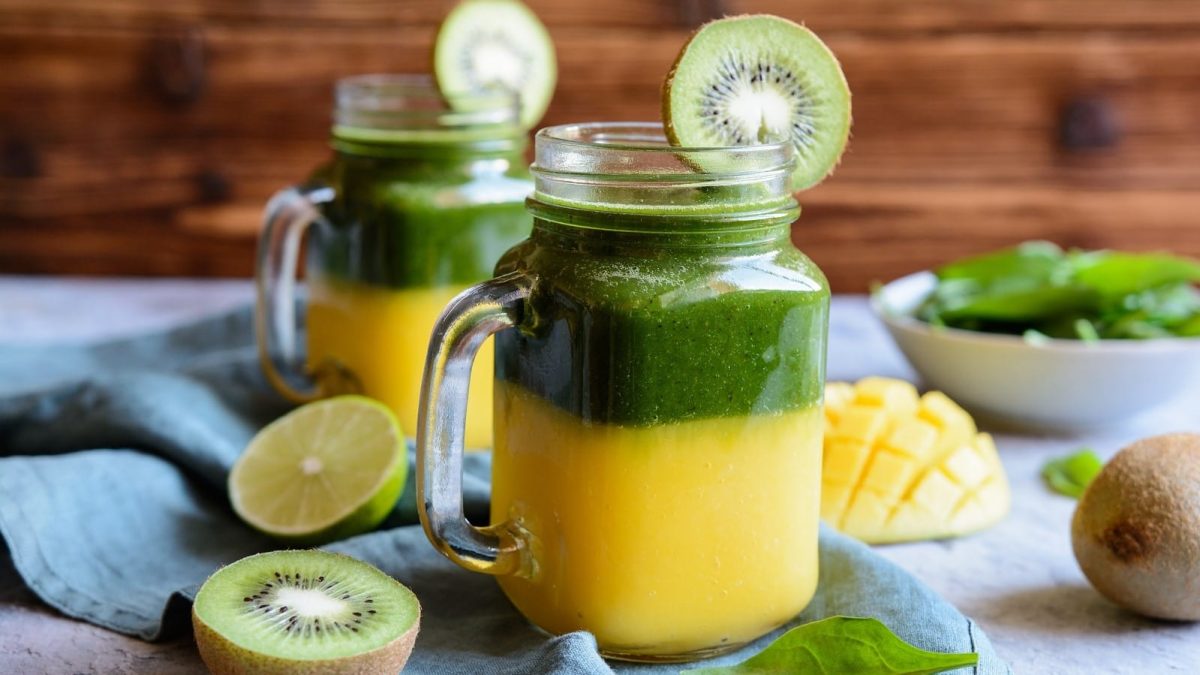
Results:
142 136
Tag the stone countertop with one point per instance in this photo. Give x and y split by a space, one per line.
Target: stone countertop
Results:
1019 579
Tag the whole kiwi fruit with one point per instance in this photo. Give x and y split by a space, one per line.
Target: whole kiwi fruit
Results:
1136 530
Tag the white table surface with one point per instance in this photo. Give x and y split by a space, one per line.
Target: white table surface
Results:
1019 579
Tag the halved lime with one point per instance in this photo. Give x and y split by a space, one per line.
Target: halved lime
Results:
497 44
327 470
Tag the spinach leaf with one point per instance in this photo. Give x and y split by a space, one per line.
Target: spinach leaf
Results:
1066 326
1036 289
1071 475
1114 274
1086 330
1171 303
843 644
1135 326
1030 260
1024 305
1189 328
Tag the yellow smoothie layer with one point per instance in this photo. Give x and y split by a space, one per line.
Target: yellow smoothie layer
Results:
660 540
382 336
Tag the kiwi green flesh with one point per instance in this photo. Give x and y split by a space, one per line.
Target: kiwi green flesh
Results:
487 45
755 79
305 606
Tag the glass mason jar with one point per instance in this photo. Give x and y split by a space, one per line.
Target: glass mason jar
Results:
423 195
659 364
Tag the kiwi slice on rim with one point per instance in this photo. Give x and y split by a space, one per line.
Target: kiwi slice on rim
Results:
497 44
304 612
749 80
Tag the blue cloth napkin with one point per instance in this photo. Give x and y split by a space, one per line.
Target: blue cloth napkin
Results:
113 508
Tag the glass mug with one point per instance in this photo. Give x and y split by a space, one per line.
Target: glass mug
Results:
419 201
659 366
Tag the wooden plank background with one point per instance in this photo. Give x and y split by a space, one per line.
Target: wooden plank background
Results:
143 137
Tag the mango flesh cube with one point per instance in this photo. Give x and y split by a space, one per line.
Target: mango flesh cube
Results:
967 513
916 438
995 494
903 468
908 522
966 467
895 396
868 512
860 423
957 427
937 493
835 498
888 475
844 461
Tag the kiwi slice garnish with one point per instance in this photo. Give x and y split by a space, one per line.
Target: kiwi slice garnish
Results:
304 612
486 45
749 80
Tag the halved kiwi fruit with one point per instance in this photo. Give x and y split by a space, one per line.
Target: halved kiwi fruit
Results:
755 79
497 44
304 612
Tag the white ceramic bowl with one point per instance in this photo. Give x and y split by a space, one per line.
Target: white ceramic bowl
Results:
1058 383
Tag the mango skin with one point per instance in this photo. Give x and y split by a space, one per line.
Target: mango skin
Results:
902 467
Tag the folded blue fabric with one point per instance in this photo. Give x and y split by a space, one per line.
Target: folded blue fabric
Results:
113 508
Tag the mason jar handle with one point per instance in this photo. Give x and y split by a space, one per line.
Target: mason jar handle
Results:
288 215
464 325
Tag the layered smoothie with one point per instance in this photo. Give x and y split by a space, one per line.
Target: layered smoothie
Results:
405 235
658 437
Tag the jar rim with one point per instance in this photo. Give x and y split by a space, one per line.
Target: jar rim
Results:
648 137
630 167
383 108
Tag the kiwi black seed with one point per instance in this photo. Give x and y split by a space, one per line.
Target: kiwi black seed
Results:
304 611
750 80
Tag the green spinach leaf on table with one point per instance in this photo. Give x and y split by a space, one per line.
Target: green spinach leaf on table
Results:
843 644
1071 475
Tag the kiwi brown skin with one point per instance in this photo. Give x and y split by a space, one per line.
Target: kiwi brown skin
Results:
223 657
1136 529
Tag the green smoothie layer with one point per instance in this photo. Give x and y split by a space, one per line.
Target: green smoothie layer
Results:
419 221
654 335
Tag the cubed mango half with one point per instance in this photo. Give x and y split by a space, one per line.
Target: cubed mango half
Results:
904 467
